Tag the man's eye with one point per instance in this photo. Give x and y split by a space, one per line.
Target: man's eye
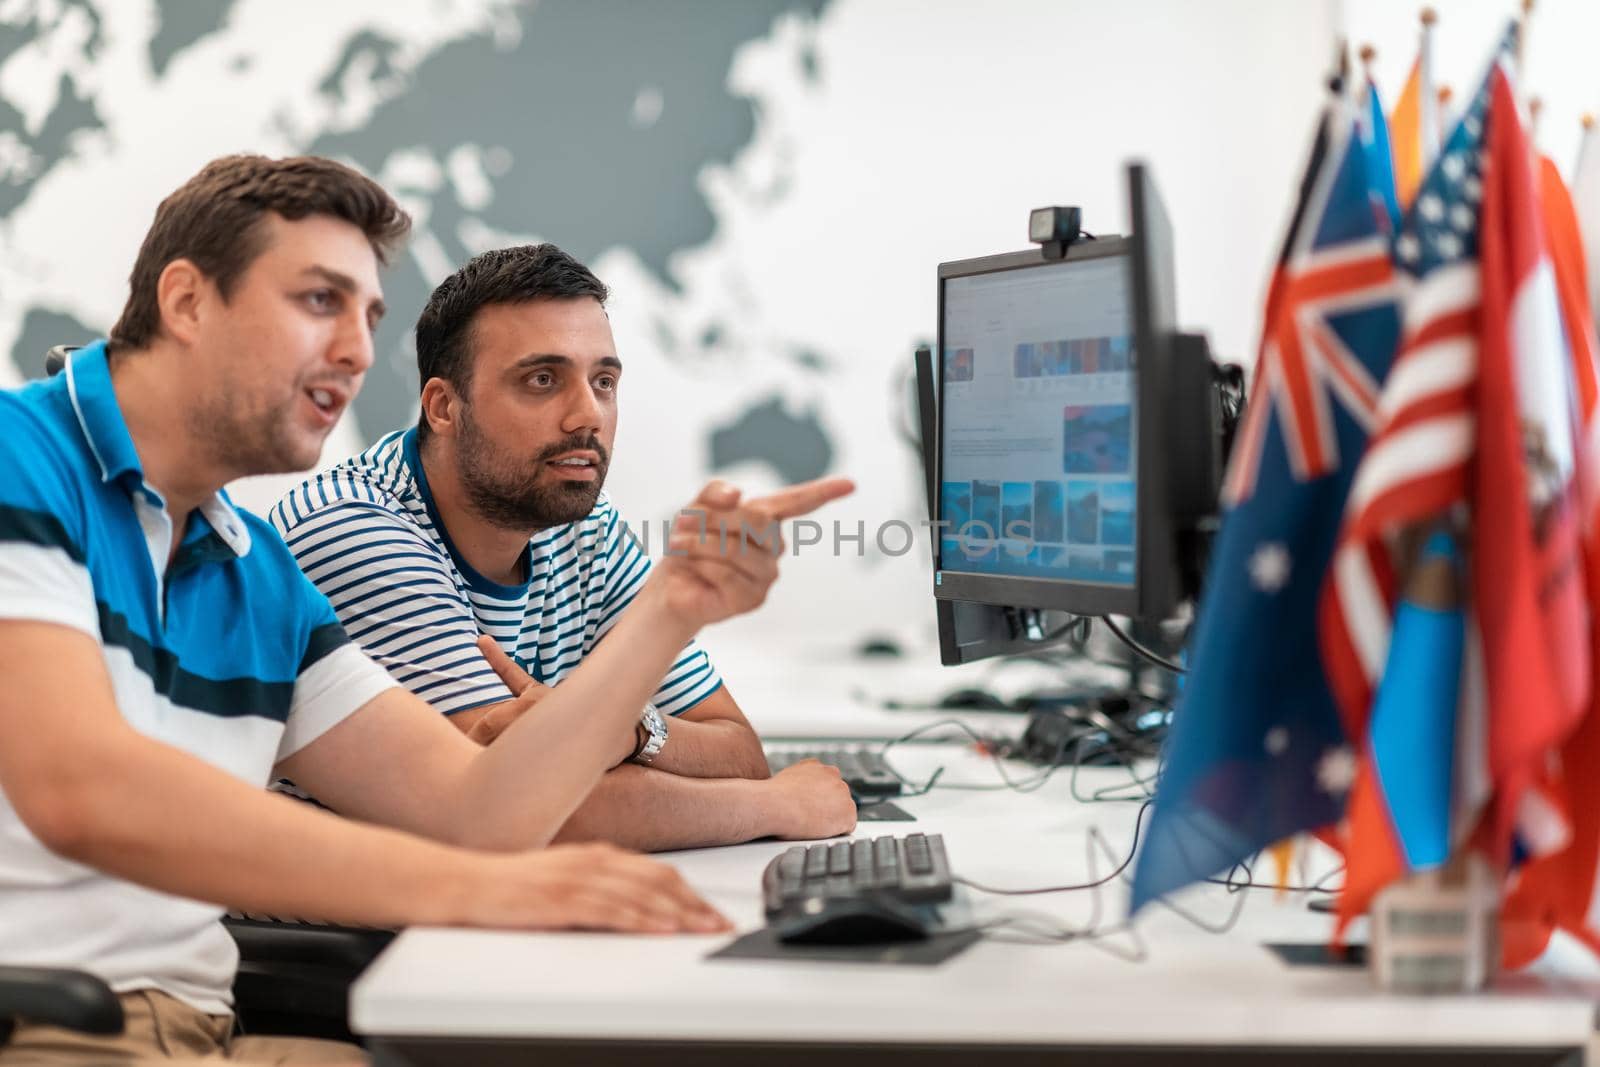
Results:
543 379
606 382
321 299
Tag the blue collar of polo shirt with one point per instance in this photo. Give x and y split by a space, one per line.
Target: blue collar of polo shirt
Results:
105 431
413 457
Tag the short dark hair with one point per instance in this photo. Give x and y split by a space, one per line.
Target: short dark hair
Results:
513 275
215 219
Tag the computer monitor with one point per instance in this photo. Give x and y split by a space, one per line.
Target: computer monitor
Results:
1075 438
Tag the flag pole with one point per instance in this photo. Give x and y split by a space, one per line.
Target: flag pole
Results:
1430 127
1522 37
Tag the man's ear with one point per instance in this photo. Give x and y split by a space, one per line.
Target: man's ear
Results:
441 407
180 291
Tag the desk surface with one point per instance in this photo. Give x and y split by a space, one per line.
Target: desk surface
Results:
1190 987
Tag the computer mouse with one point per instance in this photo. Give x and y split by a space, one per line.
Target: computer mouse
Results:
859 921
874 647
973 700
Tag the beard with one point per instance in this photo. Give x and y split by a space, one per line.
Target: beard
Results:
262 441
504 489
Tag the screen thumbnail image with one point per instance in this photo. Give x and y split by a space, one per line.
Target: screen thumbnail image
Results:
1119 562
1083 512
1049 511
956 506
1085 563
1016 511
985 523
1120 347
1116 513
1048 556
958 365
1097 439
1025 362
1053 358
1093 349
956 551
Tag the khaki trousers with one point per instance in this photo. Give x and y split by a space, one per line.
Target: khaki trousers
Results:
164 1030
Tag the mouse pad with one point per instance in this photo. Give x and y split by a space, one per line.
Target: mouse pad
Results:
883 811
762 944
1317 955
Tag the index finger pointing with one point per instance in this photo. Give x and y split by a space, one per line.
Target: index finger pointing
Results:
515 678
804 498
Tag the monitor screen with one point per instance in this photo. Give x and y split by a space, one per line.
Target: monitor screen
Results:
1037 423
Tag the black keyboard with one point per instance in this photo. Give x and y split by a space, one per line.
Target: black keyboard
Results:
863 769
909 870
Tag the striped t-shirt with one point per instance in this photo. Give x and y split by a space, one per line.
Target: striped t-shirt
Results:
367 533
226 653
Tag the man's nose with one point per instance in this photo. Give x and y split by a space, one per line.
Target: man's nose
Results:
584 412
354 349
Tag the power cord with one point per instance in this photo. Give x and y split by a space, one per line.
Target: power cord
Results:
1140 650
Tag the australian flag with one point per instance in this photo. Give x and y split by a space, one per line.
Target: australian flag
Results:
1257 750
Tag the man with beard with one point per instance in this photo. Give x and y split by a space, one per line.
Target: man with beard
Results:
163 655
482 533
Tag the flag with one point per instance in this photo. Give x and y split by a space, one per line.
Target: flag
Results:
1414 126
1528 575
1476 422
1256 751
1380 157
1559 890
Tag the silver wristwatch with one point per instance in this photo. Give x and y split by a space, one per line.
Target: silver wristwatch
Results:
656 730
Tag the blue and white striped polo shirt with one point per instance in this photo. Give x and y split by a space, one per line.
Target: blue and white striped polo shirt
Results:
367 533
228 654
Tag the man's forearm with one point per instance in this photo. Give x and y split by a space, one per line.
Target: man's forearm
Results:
650 810
581 728
712 748
245 848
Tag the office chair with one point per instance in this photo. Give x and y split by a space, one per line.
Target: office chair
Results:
294 977
71 999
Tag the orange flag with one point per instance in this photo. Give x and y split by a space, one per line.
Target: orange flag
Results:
1414 124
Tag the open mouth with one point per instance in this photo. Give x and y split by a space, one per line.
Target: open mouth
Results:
576 465
328 402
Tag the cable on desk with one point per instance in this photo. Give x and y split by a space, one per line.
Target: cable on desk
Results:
1140 650
1026 785
1095 883
1024 928
1128 740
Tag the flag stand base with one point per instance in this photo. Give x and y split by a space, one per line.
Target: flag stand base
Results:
1437 931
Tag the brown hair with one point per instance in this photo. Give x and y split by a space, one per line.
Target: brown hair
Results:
215 220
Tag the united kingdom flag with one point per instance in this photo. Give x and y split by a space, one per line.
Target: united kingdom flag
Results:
1257 751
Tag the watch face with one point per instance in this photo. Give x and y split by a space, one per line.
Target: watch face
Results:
653 721
657 728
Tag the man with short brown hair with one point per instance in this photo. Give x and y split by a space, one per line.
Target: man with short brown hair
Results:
164 657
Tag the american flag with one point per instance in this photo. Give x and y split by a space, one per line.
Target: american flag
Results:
1417 462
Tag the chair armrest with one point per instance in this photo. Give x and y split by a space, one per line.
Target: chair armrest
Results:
73 999
269 941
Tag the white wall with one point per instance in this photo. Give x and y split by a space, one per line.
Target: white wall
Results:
933 129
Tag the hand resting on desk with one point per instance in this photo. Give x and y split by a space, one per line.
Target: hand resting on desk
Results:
803 802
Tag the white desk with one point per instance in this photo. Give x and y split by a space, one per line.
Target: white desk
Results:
588 998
